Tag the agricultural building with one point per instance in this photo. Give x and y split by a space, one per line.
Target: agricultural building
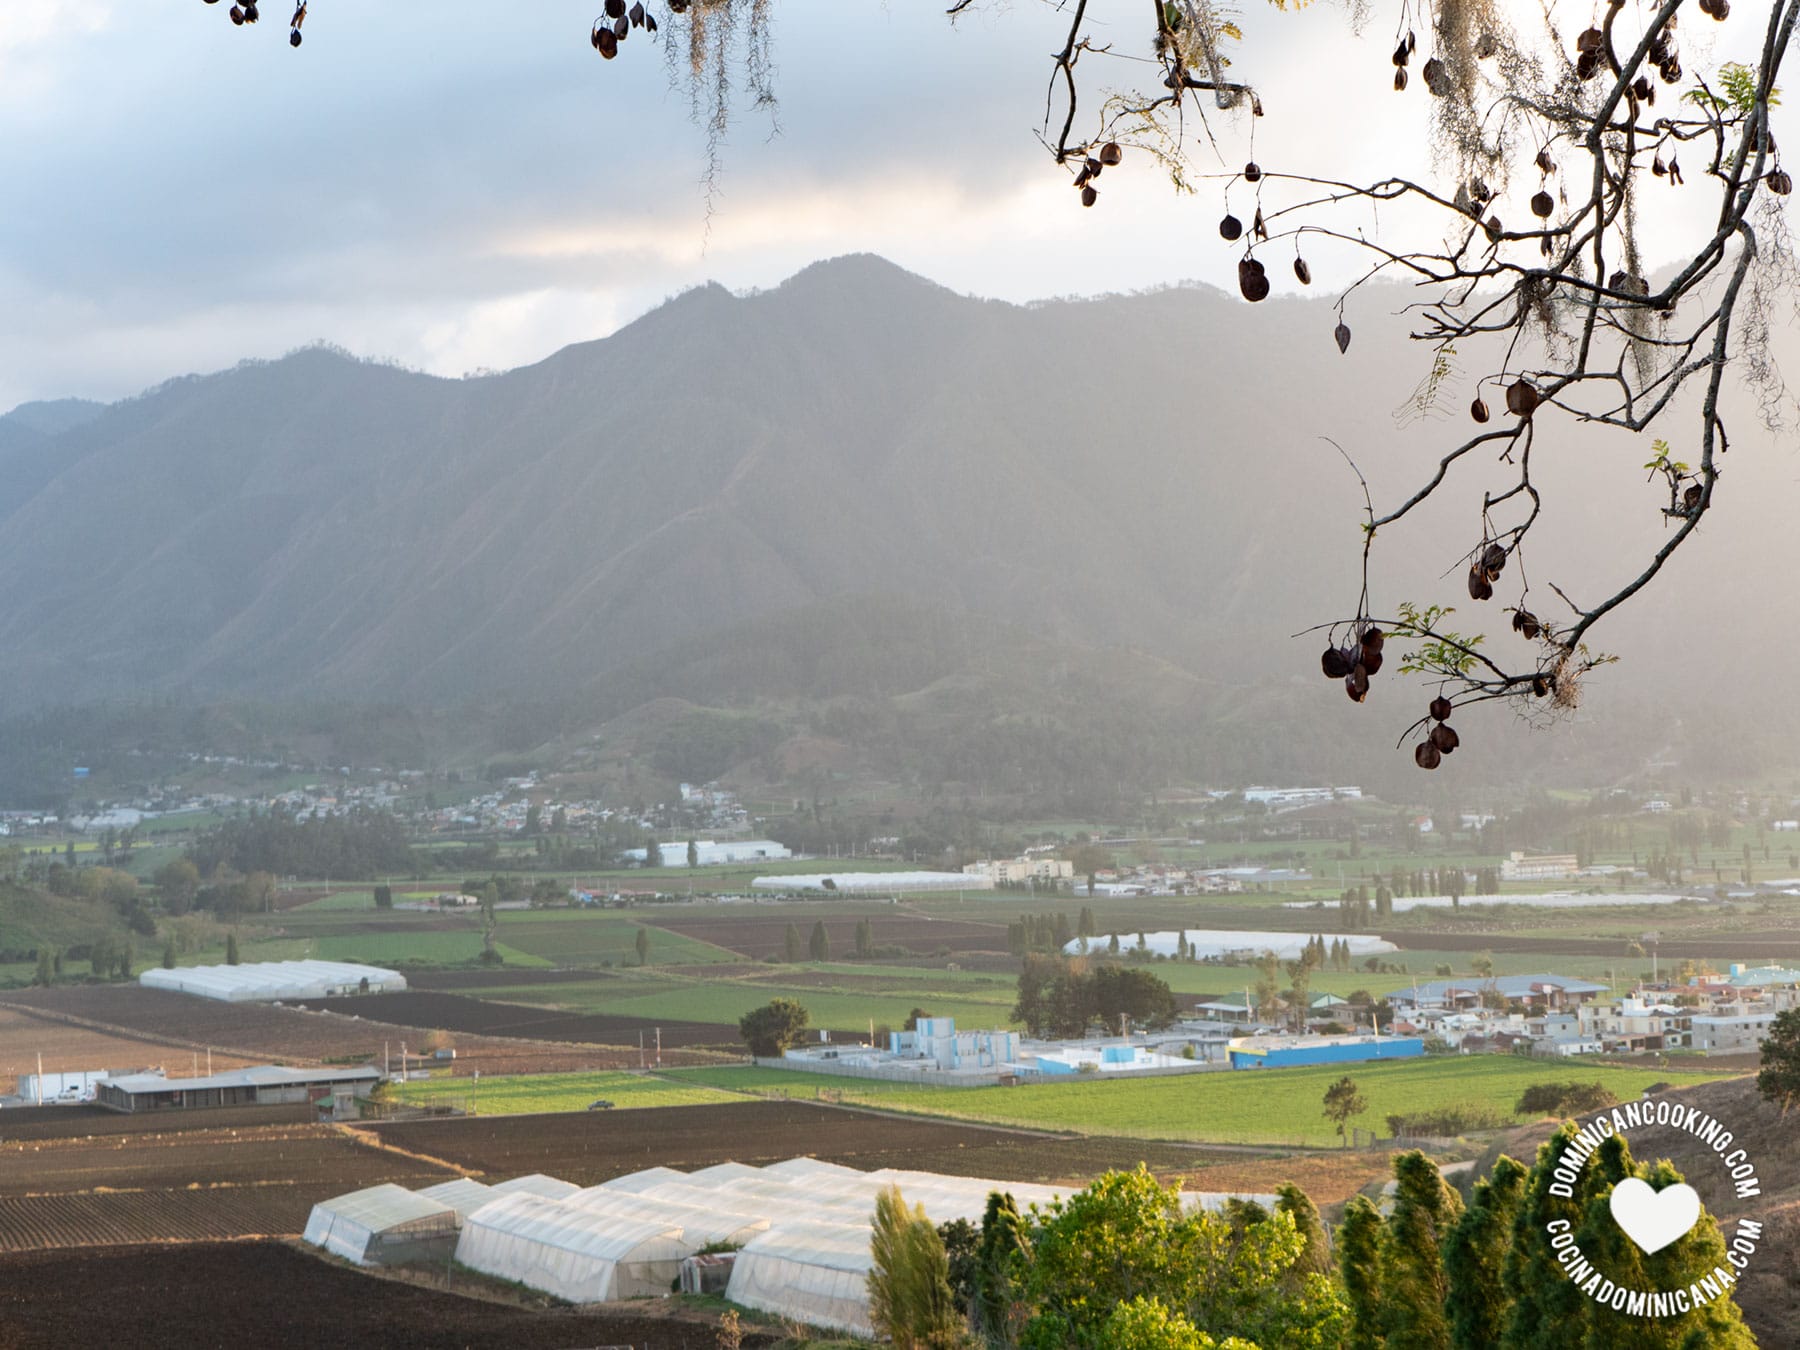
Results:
546 1188
382 1224
465 1195
266 980
802 1229
1279 1052
864 883
581 1254
266 1085
716 853
1205 943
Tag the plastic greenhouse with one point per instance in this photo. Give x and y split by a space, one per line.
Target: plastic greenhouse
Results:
576 1253
813 1272
536 1183
264 980
381 1223
464 1195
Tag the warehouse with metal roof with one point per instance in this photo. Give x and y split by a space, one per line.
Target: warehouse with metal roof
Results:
265 1085
261 981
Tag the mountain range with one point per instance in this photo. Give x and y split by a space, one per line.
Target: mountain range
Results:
856 483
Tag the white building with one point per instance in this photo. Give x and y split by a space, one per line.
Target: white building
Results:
267 980
1731 1032
713 853
936 1039
1545 867
881 883
1014 871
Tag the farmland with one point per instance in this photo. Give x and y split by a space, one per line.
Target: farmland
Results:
478 1016
142 1296
1268 1106
519 1093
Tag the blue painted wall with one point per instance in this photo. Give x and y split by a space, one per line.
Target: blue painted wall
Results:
1388 1047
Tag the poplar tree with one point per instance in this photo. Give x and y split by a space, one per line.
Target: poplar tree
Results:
1415 1288
1359 1263
1475 1256
790 944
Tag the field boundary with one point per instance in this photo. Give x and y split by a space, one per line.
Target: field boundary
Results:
150 1037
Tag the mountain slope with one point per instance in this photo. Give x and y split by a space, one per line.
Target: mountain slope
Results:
1136 472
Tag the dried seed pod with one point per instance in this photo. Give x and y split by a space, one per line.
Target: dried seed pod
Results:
1544 162
622 29
1479 410
1540 685
1089 195
1479 190
1660 49
1493 229
1721 10
606 42
1336 663
1093 167
678 6
1400 79
1671 71
1587 65
1542 204
1252 172
1480 588
1522 398
1486 45
1111 153
250 14
636 15
237 16
1444 737
1302 271
1657 167
294 38
1591 40
1779 183
1426 755
1493 560
1401 53
1690 500
1081 178
1341 335
1231 228
1412 42
1252 281
1257 227
1441 708
1644 90
1356 684
615 9
649 22
1674 170
1373 639
1437 77
1371 661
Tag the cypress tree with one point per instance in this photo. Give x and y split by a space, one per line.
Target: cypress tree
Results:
1475 1254
790 944
999 1258
1359 1262
819 945
1544 1304
231 949
1415 1289
1315 1253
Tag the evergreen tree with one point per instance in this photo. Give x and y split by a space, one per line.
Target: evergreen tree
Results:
818 946
231 949
1543 1305
168 956
865 937
790 944
1415 1289
1475 1254
693 853
1779 1078
642 943
1315 1253
44 976
127 959
1112 944
384 897
1084 923
1359 1265
1000 1259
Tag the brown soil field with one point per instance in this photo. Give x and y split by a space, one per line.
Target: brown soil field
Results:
160 1185
763 936
276 1297
1677 945
588 1149
87 1122
66 1049
453 980
260 1033
459 1013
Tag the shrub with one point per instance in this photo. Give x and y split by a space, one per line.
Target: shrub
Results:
1565 1099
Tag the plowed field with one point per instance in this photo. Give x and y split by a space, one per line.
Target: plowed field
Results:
274 1297
458 1013
761 936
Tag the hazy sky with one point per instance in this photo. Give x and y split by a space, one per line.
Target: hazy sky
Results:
466 184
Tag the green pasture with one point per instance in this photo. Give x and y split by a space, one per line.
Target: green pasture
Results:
429 948
526 1093
568 937
1271 1106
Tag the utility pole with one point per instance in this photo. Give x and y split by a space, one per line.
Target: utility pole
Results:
40 1078
659 1047
640 1047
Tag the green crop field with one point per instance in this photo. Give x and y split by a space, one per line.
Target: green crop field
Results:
1271 1106
524 1093
569 937
429 948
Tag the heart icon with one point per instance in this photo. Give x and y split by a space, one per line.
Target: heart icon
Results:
1653 1219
